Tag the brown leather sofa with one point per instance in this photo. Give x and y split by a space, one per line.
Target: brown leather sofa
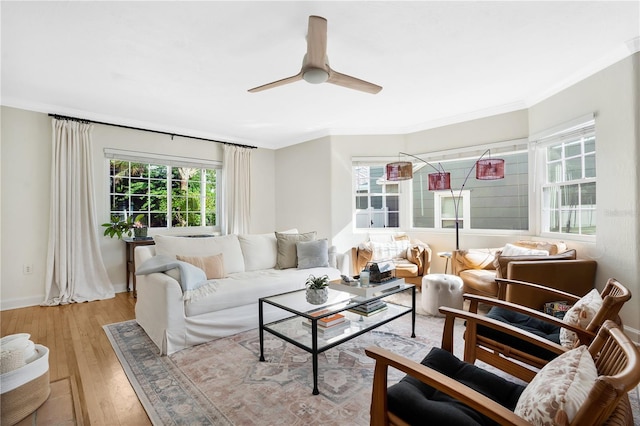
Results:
412 258
479 269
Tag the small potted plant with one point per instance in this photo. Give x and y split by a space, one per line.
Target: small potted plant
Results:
139 228
119 227
317 291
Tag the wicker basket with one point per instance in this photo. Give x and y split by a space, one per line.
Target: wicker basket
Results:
25 389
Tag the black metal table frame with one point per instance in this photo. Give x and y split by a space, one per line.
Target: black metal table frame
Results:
314 327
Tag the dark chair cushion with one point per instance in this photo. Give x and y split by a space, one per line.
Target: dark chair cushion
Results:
524 322
419 404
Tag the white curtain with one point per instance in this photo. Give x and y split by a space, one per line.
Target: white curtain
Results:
75 271
236 178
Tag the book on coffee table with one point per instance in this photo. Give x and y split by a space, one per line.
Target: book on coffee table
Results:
368 290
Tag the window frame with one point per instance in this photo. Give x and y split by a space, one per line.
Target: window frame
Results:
580 129
384 195
170 162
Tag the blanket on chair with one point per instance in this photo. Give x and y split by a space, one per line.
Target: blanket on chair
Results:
192 279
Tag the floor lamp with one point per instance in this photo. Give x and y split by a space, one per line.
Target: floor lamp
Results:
486 169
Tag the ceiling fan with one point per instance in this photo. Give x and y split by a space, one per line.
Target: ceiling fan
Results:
315 65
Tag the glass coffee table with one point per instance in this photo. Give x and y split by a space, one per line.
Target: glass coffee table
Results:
300 320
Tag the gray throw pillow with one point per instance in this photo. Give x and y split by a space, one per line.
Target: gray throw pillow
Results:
313 254
286 243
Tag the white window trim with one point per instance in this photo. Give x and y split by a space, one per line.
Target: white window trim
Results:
464 195
537 150
168 160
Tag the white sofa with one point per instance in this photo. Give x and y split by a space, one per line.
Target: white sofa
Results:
249 273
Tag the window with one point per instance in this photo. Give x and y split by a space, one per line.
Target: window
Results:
490 204
168 195
445 209
569 185
377 201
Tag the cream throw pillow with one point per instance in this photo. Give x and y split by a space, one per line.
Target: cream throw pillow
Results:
286 243
213 266
559 389
580 315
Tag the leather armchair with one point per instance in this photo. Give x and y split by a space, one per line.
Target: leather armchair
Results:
561 270
412 258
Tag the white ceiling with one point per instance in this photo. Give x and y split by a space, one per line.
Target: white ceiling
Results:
185 67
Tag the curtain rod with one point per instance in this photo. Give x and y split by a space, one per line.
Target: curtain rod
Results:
83 120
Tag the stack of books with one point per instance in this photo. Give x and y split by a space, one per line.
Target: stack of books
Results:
370 308
330 326
557 309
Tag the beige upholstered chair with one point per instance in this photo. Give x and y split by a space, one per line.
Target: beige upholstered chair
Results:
479 269
617 371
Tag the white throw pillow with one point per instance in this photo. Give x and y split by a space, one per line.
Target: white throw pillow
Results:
580 314
228 245
260 251
562 385
313 254
513 250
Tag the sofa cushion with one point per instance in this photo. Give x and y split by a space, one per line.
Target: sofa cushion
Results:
559 389
552 248
286 245
212 266
312 254
475 259
515 250
418 403
245 288
580 314
259 250
525 322
503 261
405 269
480 281
390 250
228 245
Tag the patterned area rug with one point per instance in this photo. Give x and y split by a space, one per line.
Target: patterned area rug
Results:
223 383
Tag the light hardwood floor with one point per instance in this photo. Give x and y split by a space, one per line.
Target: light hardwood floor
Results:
79 349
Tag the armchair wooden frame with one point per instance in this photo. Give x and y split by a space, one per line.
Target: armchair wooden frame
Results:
501 355
616 358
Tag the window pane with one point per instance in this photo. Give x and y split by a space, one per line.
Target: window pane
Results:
146 192
376 202
554 172
574 169
448 208
590 166
570 208
393 203
569 197
362 203
573 149
554 153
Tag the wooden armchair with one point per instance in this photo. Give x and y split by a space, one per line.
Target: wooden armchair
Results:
538 335
617 365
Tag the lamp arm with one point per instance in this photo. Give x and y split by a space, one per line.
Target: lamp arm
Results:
440 170
456 201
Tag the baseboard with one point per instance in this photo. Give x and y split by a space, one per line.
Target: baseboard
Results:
633 334
22 302
25 302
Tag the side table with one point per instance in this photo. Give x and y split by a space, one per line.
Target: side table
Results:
131 244
446 255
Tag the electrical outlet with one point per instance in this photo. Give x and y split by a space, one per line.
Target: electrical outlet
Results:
27 268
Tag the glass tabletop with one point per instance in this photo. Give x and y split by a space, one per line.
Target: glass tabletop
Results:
296 302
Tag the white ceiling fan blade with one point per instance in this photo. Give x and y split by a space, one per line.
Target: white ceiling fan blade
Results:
277 83
352 82
316 42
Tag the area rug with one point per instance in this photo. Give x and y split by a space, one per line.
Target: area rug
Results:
223 383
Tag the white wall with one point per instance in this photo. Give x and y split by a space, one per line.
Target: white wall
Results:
26 158
308 186
613 95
